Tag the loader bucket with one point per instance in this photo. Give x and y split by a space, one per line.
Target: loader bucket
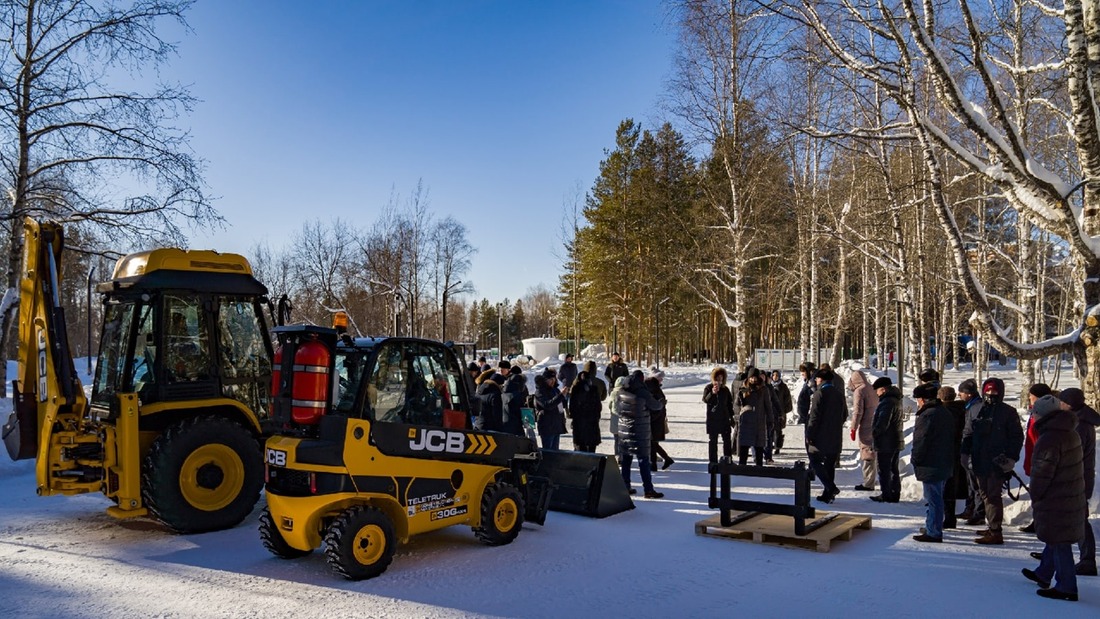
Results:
584 483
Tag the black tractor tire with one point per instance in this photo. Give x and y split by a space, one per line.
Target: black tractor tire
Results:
360 543
202 474
502 511
273 539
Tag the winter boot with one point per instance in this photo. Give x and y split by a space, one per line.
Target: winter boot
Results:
1086 569
991 538
668 462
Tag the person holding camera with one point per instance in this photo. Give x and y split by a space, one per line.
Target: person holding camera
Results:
991 445
719 403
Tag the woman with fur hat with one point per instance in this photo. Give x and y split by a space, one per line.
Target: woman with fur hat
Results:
719 403
1057 498
755 415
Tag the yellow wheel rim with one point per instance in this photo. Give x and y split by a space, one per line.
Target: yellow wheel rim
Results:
369 544
211 477
505 515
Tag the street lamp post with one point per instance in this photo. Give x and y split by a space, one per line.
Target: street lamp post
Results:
657 329
500 330
446 291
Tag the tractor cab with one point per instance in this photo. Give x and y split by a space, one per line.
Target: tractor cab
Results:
183 325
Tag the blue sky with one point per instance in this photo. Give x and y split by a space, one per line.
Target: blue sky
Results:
322 109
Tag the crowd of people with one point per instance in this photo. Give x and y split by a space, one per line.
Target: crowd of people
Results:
965 445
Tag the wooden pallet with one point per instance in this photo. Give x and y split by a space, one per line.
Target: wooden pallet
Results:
779 530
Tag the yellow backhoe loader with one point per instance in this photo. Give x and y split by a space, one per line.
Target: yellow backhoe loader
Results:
179 403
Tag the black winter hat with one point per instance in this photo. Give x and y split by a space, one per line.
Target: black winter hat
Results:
1039 390
504 364
824 374
1074 397
882 382
925 392
929 375
473 367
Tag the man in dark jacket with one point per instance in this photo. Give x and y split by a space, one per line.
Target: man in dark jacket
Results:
513 398
991 446
1073 399
956 485
615 369
658 420
887 436
809 386
974 512
786 405
567 374
933 457
549 409
1057 497
491 418
825 432
635 403
585 405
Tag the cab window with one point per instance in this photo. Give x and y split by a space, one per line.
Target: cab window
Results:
187 340
413 383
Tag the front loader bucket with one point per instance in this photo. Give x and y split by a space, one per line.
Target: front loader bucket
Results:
584 483
21 430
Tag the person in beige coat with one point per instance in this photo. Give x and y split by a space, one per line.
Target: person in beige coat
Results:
864 402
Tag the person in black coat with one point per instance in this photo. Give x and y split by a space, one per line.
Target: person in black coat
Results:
549 410
488 393
888 439
1073 400
719 403
809 386
635 404
513 398
825 433
786 405
956 484
567 373
658 420
933 457
1057 497
585 406
991 446
755 410
615 369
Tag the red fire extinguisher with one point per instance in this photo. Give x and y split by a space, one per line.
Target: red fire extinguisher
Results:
309 393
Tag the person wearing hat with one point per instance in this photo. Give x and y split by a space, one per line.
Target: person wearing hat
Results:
513 398
491 417
929 376
658 420
549 409
809 387
616 369
1057 498
753 407
864 403
887 437
825 432
933 457
635 403
990 447
585 405
974 511
786 405
1073 400
1035 392
956 484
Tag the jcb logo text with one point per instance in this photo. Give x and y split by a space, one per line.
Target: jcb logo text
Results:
439 440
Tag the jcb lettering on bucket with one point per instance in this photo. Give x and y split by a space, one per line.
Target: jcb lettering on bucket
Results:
438 440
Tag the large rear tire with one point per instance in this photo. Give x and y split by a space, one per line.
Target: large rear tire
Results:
273 540
502 511
360 543
202 474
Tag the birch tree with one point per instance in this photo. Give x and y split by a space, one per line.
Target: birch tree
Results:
74 136
968 116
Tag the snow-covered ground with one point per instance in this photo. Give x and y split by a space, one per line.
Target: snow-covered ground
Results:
63 556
